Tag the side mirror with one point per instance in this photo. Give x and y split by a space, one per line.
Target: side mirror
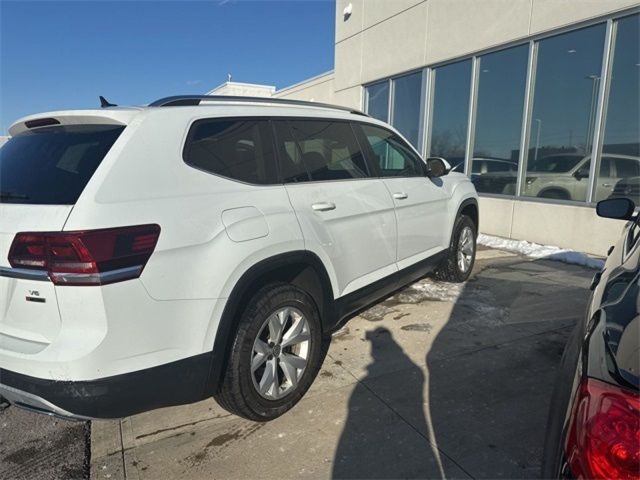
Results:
580 174
616 208
437 167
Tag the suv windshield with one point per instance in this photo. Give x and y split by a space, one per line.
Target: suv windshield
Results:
555 163
52 165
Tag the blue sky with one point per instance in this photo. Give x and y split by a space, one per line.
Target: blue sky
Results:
61 55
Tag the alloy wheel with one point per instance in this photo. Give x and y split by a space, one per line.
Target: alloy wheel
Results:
280 353
465 249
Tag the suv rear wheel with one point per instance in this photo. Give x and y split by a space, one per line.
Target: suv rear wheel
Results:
461 255
276 354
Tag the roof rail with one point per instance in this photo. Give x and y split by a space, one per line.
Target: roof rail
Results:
187 100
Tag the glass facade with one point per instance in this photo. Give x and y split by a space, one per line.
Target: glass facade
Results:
450 114
378 101
502 78
620 164
577 92
407 100
564 113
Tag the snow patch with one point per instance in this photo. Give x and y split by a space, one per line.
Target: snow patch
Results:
535 250
442 291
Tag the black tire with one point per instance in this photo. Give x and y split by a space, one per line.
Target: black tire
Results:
449 270
237 393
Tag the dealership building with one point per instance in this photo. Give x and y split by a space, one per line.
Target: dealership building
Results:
537 100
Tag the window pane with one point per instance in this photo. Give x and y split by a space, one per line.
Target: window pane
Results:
237 149
563 115
393 156
407 100
319 150
52 165
622 128
378 101
451 112
501 89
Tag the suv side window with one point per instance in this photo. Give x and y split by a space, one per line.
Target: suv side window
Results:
394 158
627 167
240 149
318 150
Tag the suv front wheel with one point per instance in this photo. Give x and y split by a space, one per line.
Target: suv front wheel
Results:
276 354
461 255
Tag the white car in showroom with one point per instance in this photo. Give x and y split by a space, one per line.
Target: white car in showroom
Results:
207 246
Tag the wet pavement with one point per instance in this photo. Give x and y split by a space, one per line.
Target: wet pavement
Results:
40 447
440 380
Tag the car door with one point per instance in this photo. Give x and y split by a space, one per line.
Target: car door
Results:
346 215
420 202
606 180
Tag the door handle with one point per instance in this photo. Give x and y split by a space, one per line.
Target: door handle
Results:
606 184
400 196
323 206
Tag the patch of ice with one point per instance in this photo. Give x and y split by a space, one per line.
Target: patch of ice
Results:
535 250
429 290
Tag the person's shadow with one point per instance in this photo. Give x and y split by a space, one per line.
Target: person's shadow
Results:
490 370
375 442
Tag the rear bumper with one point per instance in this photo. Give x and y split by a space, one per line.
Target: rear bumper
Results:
176 383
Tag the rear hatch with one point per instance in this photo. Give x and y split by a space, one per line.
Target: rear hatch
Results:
43 171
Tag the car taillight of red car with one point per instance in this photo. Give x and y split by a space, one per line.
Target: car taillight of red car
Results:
603 440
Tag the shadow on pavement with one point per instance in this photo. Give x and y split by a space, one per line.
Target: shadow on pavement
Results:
489 374
369 447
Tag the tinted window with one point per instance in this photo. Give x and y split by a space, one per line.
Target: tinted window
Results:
378 101
318 150
627 167
407 98
563 114
555 163
501 86
237 149
52 165
622 124
451 111
394 157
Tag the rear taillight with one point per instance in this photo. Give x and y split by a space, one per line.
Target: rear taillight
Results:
603 439
93 257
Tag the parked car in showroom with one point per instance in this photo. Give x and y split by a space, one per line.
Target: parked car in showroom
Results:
493 175
627 188
207 246
593 430
566 176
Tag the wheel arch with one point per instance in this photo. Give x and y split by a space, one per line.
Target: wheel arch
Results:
302 268
470 208
564 194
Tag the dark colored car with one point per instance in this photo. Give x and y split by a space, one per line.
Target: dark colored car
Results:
593 430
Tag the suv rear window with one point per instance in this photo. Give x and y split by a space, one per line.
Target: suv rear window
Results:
52 165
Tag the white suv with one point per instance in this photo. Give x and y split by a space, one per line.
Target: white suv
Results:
206 246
